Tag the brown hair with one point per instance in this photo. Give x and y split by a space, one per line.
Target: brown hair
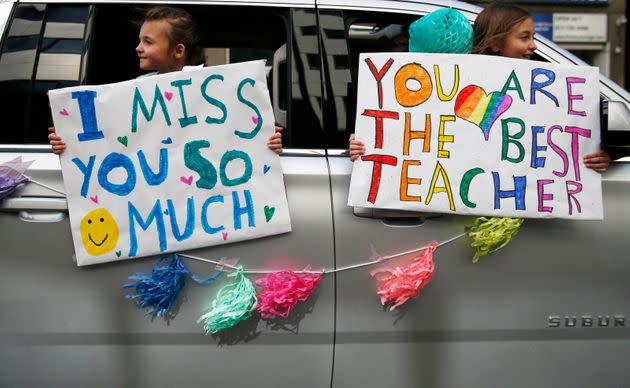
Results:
493 25
184 30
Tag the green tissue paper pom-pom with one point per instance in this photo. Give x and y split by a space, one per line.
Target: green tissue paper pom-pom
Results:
442 31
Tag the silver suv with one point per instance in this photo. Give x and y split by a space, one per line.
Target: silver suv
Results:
549 310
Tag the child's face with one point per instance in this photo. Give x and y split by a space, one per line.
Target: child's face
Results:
154 50
519 43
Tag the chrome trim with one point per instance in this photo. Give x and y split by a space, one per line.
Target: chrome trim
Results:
296 3
303 152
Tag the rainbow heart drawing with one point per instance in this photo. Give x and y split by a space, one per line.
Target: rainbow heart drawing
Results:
474 105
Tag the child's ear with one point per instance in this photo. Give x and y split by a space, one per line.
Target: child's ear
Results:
180 51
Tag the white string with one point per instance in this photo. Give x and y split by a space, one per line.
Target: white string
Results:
44 185
327 271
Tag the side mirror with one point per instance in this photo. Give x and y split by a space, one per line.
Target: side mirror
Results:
616 128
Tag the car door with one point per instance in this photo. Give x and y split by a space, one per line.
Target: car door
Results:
548 310
63 325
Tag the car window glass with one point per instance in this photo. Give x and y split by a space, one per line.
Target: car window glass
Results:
363 32
42 51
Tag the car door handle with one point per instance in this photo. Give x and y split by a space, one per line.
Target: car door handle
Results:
36 209
399 218
29 216
34 204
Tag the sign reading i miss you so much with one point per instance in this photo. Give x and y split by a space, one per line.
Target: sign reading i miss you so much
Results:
170 162
472 134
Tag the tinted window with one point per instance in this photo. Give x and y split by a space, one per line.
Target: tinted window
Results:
42 51
230 35
344 36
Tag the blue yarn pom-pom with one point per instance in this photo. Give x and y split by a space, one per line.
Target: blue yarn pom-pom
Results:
158 291
442 31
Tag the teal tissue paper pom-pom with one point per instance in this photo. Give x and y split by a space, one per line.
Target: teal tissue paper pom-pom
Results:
442 31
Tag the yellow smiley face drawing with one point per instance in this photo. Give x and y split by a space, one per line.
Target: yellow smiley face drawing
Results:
99 232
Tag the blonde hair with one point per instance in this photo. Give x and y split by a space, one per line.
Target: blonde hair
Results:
493 25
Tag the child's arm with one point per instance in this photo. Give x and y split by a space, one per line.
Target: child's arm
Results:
58 145
598 161
275 141
357 148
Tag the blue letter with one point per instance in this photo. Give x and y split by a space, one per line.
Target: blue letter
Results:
184 121
156 214
227 158
112 161
139 102
520 182
213 101
204 215
88 115
538 86
87 173
152 178
259 120
536 161
190 219
239 211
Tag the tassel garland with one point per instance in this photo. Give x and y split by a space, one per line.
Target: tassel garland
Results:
281 291
489 234
234 303
396 286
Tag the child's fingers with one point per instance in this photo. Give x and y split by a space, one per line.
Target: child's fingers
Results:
279 129
51 129
351 137
59 148
275 143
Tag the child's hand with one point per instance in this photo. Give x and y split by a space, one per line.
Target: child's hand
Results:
357 148
275 141
598 161
58 145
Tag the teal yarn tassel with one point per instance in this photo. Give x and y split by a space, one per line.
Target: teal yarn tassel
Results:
158 291
233 304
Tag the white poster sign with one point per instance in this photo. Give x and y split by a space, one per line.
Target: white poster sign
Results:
170 162
472 134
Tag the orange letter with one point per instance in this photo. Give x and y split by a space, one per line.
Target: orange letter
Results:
411 135
404 95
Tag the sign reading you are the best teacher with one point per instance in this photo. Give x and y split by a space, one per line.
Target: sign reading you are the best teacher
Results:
472 134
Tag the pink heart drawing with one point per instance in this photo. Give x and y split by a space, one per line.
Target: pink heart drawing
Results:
64 112
168 95
94 199
186 180
255 119
224 234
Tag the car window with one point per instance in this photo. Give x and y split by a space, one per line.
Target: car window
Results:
58 46
42 51
344 36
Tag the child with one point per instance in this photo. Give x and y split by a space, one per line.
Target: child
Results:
169 41
508 31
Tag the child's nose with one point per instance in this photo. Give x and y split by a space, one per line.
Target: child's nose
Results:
139 47
533 46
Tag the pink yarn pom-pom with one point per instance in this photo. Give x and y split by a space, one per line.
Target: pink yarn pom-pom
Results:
281 291
399 284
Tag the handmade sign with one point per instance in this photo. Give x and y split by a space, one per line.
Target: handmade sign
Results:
170 162
474 134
